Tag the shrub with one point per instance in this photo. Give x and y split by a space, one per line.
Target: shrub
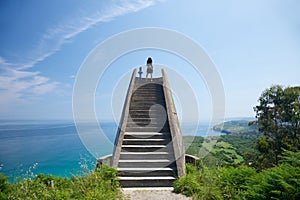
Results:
281 182
243 182
187 185
5 187
199 183
232 180
101 184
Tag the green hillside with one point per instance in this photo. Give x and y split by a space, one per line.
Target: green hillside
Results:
236 126
236 147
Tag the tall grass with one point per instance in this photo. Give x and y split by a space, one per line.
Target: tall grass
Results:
243 182
99 184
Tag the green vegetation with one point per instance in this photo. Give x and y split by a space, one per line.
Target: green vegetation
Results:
236 127
254 160
243 182
278 118
192 144
229 150
101 184
259 161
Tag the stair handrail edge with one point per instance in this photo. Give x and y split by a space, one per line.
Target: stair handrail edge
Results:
123 121
175 130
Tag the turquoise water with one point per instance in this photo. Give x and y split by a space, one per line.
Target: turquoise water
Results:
53 147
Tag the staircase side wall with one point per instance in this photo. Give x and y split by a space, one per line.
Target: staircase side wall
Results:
177 140
123 122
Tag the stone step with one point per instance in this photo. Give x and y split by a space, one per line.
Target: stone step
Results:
147 102
139 118
145 155
146 122
142 109
153 112
153 135
154 117
153 108
149 123
145 141
151 84
147 137
159 163
149 97
151 88
144 119
147 178
163 181
148 89
146 97
148 129
145 148
146 172
154 93
148 86
157 81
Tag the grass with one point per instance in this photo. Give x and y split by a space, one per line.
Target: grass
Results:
100 184
243 182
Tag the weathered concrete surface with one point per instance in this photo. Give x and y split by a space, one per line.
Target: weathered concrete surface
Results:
149 150
191 159
153 195
123 123
104 160
174 127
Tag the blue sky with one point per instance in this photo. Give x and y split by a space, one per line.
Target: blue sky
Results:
253 44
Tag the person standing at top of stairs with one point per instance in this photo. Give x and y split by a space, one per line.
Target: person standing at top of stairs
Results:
149 68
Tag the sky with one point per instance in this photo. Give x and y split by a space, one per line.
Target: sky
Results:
253 44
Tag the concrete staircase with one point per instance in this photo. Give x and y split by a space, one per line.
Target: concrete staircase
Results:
147 156
149 150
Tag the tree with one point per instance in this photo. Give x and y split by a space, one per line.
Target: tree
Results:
278 118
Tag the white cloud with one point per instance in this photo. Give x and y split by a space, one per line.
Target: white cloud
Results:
44 88
16 82
52 40
20 82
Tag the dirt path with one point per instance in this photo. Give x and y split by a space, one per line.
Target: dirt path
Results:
131 194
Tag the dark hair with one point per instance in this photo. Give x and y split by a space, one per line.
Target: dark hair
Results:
149 60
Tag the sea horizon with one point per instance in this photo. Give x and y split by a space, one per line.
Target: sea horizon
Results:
31 147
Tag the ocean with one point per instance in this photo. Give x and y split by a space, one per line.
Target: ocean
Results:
30 147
